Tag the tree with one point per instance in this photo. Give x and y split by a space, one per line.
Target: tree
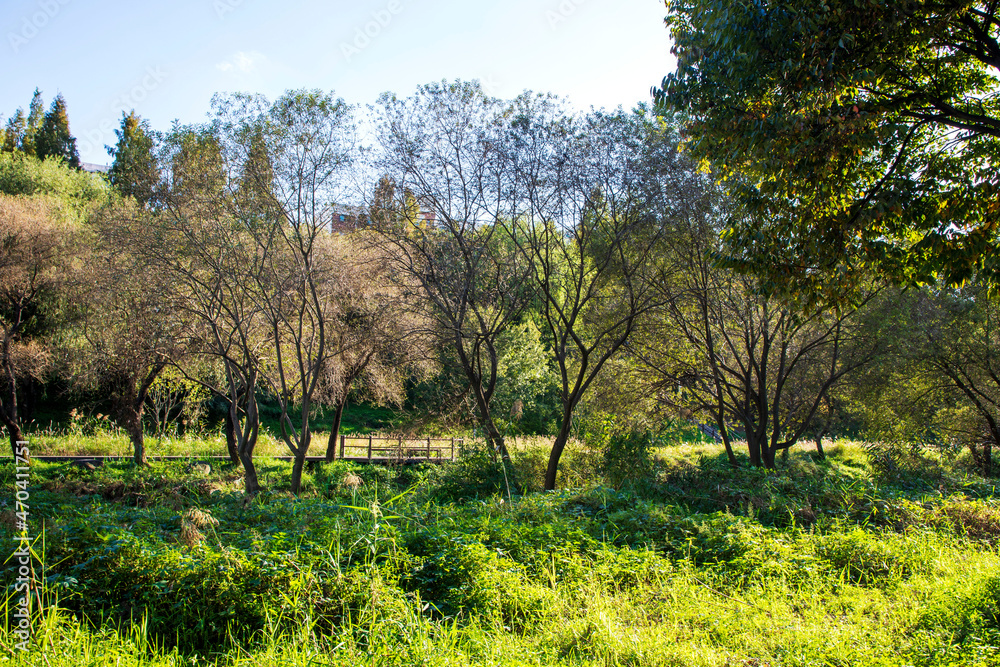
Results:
134 171
206 265
376 343
129 334
858 134
441 154
942 382
35 252
721 348
285 163
54 138
590 203
13 140
36 118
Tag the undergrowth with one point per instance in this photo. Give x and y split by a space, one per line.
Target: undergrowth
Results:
691 562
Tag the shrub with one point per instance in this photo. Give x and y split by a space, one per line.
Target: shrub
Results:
864 558
467 578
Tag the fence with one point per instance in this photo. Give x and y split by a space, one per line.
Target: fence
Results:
370 448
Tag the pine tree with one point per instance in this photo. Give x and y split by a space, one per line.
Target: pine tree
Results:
54 139
13 138
36 118
134 171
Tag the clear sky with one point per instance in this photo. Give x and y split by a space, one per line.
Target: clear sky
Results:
167 58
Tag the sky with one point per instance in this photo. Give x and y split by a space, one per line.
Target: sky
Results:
166 58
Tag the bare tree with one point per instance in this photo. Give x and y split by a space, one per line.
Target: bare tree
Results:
439 214
286 163
589 199
208 265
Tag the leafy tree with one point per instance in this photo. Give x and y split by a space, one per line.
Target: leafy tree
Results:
54 138
942 382
36 118
13 138
528 389
36 252
857 133
135 171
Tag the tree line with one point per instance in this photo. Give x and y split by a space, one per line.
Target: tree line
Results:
514 254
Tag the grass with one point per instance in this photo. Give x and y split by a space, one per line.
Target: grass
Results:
691 563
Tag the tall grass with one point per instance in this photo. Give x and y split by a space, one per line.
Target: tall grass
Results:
817 563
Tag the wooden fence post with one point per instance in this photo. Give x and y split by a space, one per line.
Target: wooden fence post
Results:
369 449
342 439
428 449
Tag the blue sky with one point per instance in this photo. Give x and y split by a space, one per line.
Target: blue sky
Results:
167 58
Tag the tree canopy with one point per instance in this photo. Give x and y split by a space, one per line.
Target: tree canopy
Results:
864 133
134 171
54 138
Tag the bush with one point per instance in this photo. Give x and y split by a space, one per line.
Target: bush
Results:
467 578
23 175
864 558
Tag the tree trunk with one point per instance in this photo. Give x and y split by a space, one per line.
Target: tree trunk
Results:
331 445
231 440
767 455
8 408
730 454
132 421
753 447
819 447
14 430
251 485
557 449
300 462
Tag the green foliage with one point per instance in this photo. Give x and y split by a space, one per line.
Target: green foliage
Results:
13 137
24 175
54 139
134 171
627 453
527 396
373 571
459 577
36 118
857 134
864 559
175 402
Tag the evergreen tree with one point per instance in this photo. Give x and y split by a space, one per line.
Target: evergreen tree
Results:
134 171
13 139
36 118
54 139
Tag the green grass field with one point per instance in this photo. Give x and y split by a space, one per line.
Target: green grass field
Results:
688 563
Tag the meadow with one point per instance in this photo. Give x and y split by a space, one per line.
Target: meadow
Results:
674 558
